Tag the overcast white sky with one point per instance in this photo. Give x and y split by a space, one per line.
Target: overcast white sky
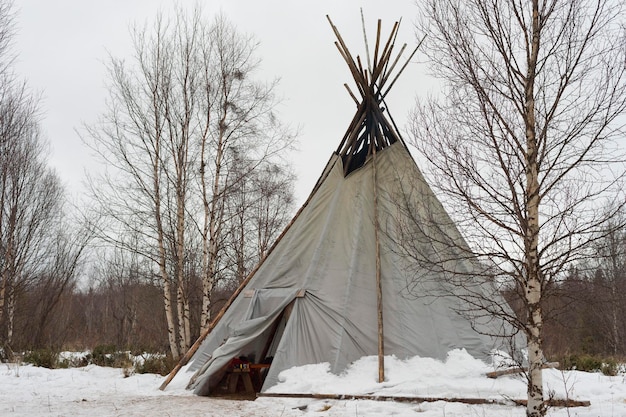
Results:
63 44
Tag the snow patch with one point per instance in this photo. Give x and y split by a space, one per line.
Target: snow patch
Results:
26 390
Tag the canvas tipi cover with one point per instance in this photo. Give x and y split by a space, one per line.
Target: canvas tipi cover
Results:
315 298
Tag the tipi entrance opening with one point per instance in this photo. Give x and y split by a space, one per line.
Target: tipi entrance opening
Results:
244 373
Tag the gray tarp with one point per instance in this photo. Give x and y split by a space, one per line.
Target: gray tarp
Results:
330 251
246 337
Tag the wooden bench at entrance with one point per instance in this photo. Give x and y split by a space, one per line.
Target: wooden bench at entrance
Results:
233 379
246 373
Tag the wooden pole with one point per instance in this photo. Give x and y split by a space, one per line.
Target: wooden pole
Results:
379 287
416 400
367 48
378 29
347 56
402 69
512 371
385 54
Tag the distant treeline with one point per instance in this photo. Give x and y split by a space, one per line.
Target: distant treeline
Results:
585 316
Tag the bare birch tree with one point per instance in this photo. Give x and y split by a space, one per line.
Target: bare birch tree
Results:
138 138
30 200
522 143
242 135
185 98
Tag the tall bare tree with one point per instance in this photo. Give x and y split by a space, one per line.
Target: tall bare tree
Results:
607 268
60 267
242 135
36 248
185 99
521 141
30 201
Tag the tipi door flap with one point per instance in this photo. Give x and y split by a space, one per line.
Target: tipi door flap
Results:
283 318
243 335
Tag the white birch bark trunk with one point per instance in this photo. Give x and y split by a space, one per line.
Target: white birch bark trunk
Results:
7 303
187 324
210 251
169 316
183 317
165 278
211 230
533 284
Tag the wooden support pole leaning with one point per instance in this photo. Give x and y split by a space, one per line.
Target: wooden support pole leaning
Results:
385 54
347 56
356 121
403 67
367 48
378 29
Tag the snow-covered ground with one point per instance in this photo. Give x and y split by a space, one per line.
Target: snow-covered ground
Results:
95 391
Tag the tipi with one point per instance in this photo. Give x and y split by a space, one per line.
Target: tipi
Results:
332 288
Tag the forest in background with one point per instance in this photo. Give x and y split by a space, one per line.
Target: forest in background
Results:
586 316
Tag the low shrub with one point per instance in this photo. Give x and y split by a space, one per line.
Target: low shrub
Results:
590 363
45 358
73 359
108 355
155 364
103 355
610 367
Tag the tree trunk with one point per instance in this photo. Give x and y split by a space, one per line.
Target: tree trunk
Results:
187 324
615 319
10 319
8 279
183 317
208 280
211 230
614 253
533 287
169 316
536 405
184 337
614 306
205 312
165 278
3 291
